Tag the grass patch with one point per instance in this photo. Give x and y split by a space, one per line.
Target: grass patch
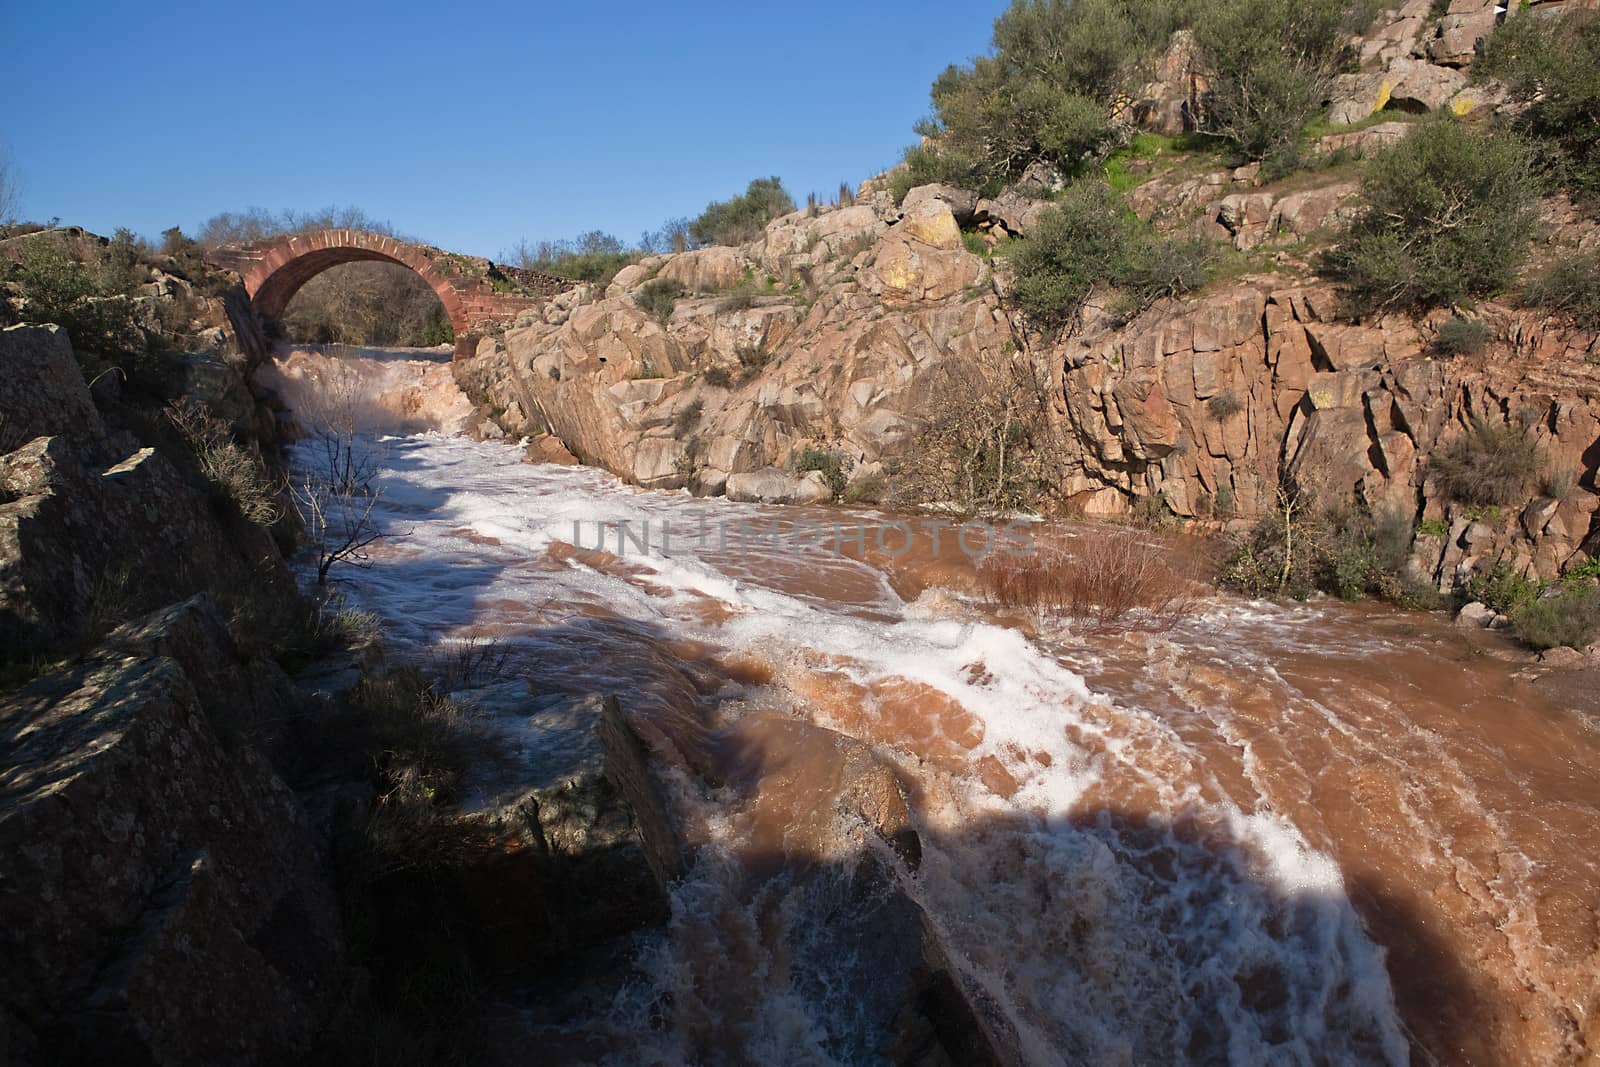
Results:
659 296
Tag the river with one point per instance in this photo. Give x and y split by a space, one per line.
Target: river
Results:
1318 833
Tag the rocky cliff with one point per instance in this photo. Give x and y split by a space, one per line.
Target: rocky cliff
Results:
835 330
1210 401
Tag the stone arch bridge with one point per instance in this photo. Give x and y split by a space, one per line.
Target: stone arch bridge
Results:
477 294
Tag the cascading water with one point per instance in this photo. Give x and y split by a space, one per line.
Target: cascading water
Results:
1135 849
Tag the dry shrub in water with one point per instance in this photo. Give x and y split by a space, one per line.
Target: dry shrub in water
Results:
1112 578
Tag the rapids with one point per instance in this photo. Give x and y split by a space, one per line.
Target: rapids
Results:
1273 834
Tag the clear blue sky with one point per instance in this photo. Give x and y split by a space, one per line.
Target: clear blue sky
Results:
469 125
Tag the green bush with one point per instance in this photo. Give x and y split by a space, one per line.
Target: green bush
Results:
78 296
659 296
1551 66
1270 64
1345 550
1570 287
1089 238
1461 337
1502 589
1491 465
835 466
1569 616
1047 92
742 218
1448 215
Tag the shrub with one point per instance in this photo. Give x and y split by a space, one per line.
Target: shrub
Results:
867 489
986 441
1461 337
1569 616
1570 287
1047 91
329 625
742 218
1501 588
1551 66
1225 405
1345 550
1105 579
1153 512
594 257
1090 237
1491 464
659 296
686 417
239 473
1448 215
835 466
1556 484
721 377
1270 64
1162 267
739 300
752 358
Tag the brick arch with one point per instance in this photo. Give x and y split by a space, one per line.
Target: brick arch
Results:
286 268
476 294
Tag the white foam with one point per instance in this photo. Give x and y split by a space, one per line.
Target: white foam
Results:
1103 941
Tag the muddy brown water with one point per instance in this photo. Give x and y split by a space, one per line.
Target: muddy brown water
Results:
1269 834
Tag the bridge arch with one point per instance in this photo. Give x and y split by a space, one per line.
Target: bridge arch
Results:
476 294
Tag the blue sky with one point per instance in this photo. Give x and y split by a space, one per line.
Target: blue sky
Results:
469 125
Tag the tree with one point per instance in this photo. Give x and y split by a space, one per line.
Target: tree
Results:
986 444
1551 68
1052 90
1448 215
1271 64
337 496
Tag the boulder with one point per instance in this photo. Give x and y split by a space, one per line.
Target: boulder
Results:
931 222
161 895
962 203
1475 615
1468 22
82 543
1011 210
1423 87
42 392
547 448
575 844
1356 96
1312 210
1370 140
903 271
1563 658
772 485
707 269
